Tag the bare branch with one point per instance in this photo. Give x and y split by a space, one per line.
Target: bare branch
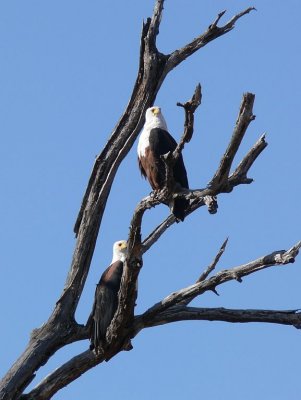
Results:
198 200
63 375
117 334
44 342
155 23
157 232
212 33
216 21
133 115
208 270
207 196
127 293
171 158
86 360
61 329
240 174
190 108
212 266
276 258
76 366
245 116
239 15
220 182
149 79
148 82
182 313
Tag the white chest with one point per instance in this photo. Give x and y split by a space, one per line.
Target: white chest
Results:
155 122
143 143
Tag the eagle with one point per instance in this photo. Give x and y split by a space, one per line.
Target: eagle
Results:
154 141
106 297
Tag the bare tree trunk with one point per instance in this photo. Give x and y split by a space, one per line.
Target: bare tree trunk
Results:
61 328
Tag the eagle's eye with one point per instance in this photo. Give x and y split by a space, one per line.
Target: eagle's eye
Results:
119 244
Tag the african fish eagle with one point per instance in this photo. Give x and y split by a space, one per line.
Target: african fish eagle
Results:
106 296
154 141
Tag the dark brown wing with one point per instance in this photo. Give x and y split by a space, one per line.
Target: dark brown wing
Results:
105 304
150 166
161 142
103 312
153 167
142 170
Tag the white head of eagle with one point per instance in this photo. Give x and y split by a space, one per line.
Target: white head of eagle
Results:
155 141
119 251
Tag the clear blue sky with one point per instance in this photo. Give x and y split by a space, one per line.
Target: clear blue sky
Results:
67 70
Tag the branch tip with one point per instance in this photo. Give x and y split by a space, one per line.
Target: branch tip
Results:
216 21
263 137
221 177
232 21
213 32
225 244
292 253
215 291
212 266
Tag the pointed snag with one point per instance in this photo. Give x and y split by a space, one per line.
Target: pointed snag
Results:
214 262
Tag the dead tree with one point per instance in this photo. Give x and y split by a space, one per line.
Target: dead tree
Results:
61 327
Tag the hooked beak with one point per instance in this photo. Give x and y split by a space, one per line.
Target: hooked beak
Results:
123 246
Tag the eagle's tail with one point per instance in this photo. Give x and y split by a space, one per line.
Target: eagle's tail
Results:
178 207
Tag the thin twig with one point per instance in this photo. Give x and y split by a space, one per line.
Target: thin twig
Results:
207 271
240 173
212 266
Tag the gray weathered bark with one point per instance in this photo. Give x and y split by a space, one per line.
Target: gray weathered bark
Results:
174 309
61 327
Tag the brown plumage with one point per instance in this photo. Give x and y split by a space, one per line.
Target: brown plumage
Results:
106 297
155 141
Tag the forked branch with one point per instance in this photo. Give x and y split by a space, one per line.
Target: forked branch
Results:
171 158
245 116
239 176
175 312
276 258
127 292
221 181
212 33
61 328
